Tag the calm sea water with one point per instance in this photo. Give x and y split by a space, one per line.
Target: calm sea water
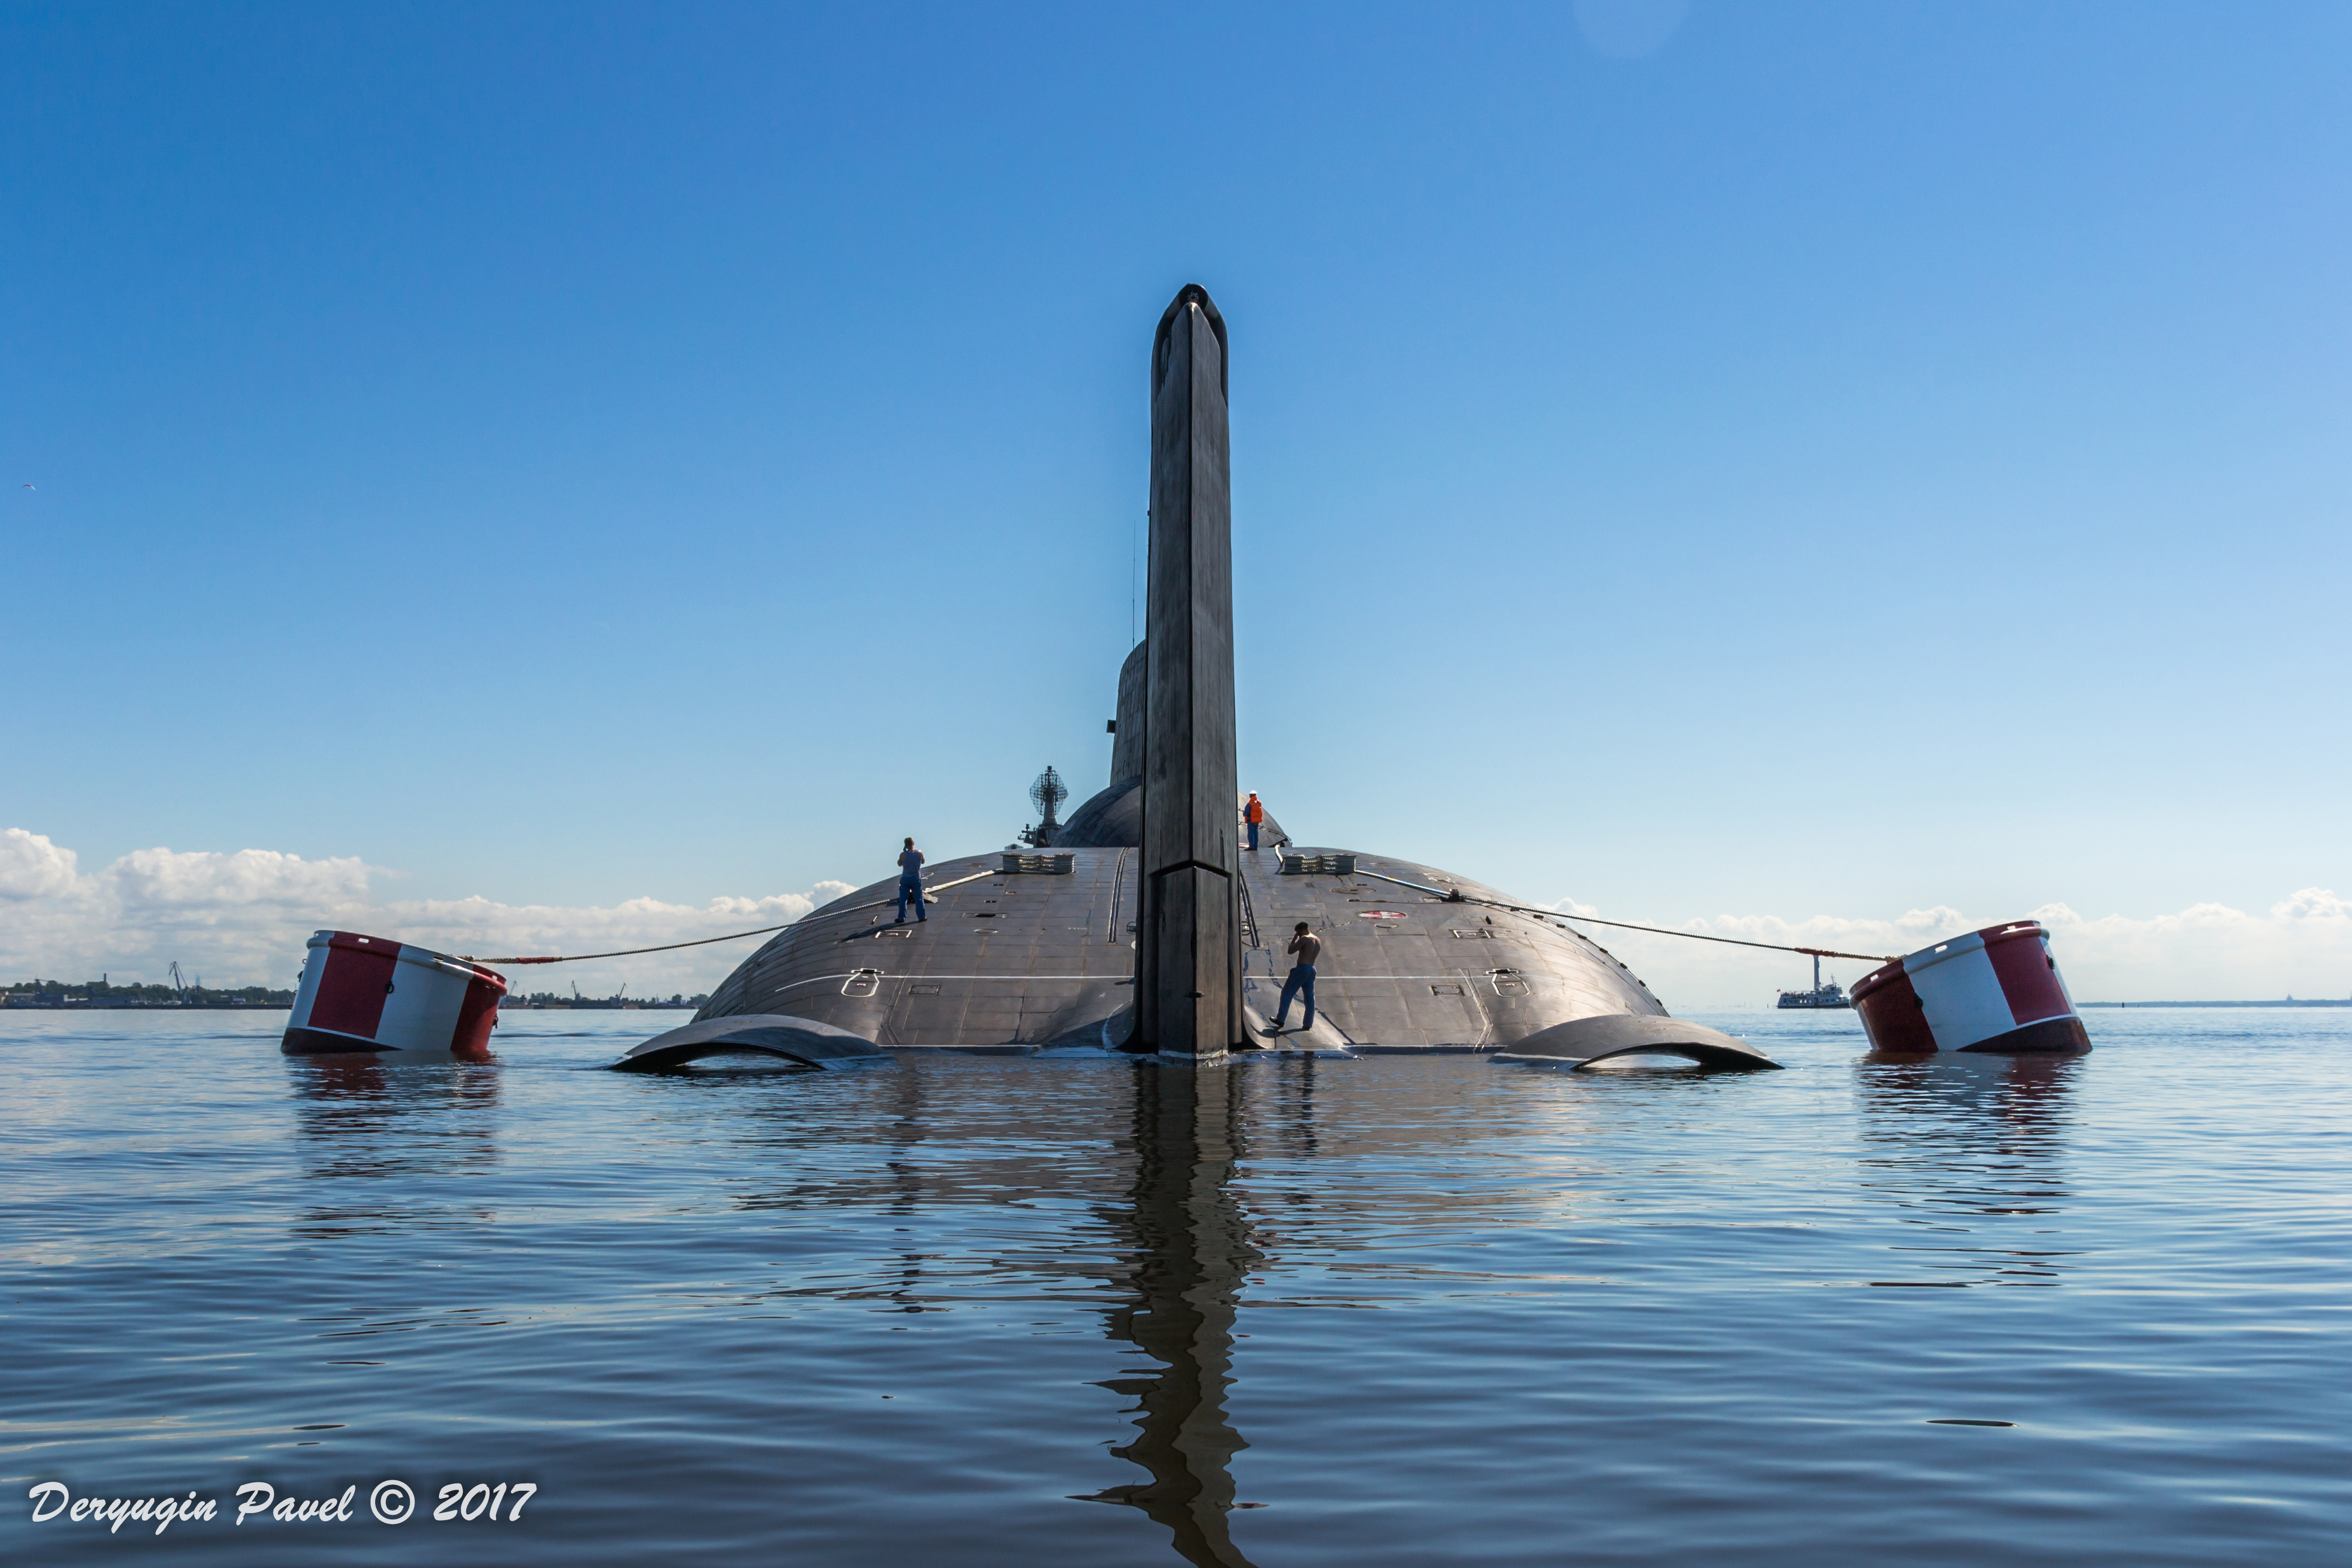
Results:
982 1311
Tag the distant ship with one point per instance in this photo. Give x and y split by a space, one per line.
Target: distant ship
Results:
1821 995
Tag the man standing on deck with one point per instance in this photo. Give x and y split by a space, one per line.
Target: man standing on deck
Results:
1253 814
1308 947
910 882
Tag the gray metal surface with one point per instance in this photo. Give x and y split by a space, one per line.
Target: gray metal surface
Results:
805 1041
1127 738
1187 971
1585 1041
1000 961
1025 962
1113 819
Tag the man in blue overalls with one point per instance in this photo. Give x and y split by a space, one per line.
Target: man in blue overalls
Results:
910 882
1308 947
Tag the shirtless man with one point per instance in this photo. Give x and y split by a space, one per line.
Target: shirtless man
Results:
1308 947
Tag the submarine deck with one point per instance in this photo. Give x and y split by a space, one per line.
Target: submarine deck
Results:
1025 961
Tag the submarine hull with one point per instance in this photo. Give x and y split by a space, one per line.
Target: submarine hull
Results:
1148 927
1021 960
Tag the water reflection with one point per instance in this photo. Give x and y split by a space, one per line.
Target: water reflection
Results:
1172 1253
357 1118
1190 1250
1965 1144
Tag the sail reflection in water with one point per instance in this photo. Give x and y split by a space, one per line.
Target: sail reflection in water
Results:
1191 1252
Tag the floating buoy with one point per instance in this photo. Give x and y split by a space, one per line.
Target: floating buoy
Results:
1995 990
373 993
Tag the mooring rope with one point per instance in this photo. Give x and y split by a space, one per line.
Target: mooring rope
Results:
730 936
628 952
1456 896
1449 895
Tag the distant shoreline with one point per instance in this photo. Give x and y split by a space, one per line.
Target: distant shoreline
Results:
12 1006
2290 1002
82 1007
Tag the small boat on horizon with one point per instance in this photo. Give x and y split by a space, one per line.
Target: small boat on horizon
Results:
1821 995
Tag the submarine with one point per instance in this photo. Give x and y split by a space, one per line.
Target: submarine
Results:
1143 925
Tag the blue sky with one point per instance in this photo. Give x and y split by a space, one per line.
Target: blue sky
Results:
1742 460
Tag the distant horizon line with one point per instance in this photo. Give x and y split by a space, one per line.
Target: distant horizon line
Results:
2288 1002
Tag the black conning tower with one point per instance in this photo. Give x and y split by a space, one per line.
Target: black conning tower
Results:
1188 938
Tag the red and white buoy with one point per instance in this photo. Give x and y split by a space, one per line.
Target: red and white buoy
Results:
1996 990
373 993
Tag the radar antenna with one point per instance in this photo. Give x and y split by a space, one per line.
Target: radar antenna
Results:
1046 794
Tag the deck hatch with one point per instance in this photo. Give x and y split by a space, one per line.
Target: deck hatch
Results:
1038 865
1319 865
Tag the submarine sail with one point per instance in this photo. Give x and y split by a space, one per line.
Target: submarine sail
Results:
1145 926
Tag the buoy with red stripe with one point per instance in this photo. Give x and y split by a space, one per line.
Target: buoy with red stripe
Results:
373 993
1995 990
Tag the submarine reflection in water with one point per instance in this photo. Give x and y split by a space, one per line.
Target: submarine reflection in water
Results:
1191 1252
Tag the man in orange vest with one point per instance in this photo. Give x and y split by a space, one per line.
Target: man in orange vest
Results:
1253 814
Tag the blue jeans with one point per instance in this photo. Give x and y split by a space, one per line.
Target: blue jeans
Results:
1302 978
910 890
1253 827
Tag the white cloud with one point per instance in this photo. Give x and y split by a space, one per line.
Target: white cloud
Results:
243 917
251 878
2302 945
33 867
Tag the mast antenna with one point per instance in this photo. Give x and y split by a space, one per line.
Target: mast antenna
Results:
1046 794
